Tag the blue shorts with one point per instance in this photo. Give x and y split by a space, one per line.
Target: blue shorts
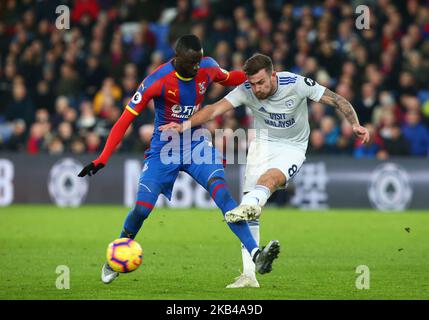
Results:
158 176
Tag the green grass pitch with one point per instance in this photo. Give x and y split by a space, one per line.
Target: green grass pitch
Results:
192 254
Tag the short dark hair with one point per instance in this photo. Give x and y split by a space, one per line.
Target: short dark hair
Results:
257 62
188 42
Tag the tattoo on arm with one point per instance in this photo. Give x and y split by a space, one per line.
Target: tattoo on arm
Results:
341 104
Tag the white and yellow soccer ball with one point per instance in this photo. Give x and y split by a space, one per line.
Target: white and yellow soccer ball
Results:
124 255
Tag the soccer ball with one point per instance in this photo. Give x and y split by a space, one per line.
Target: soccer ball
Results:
124 255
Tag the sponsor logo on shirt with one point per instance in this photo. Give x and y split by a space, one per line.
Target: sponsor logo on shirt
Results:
183 112
172 92
279 120
202 86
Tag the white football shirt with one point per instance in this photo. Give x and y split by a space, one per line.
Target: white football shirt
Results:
282 117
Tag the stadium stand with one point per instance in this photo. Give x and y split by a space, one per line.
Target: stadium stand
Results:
62 90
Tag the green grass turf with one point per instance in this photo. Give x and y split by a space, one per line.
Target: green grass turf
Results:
191 254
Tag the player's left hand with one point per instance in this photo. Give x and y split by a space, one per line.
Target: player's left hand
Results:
361 132
171 126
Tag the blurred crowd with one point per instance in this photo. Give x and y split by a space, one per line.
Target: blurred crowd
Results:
61 90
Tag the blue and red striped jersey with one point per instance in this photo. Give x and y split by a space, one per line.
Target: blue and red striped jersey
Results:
175 98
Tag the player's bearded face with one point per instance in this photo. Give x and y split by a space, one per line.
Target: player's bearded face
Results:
262 84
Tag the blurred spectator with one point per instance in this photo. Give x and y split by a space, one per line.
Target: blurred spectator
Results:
202 10
85 8
77 146
395 144
387 104
182 22
140 51
127 143
68 84
93 142
346 140
65 134
36 139
44 97
145 136
366 103
330 132
416 134
373 149
20 106
87 119
94 76
393 140
108 91
61 106
317 143
17 140
407 84
55 146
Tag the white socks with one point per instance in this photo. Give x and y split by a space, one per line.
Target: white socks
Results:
257 196
248 264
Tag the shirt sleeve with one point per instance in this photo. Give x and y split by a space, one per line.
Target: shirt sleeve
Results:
216 72
308 88
237 97
145 92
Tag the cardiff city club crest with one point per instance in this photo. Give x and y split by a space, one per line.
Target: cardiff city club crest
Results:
202 86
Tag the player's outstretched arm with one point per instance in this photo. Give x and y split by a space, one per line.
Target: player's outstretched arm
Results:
233 78
207 113
115 137
346 108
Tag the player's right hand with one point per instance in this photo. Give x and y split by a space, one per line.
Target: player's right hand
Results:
171 126
90 169
361 132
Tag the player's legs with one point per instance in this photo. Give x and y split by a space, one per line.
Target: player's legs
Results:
264 175
269 182
219 191
154 179
248 264
253 201
247 279
259 184
212 178
147 196
265 186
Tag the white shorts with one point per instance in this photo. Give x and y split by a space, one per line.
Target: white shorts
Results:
264 155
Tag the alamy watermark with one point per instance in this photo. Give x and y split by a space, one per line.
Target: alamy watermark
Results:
362 22
363 280
63 20
199 146
63 280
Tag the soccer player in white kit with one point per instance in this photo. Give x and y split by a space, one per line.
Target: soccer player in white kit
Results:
278 101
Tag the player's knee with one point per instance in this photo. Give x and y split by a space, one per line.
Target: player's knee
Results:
213 181
217 187
272 178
